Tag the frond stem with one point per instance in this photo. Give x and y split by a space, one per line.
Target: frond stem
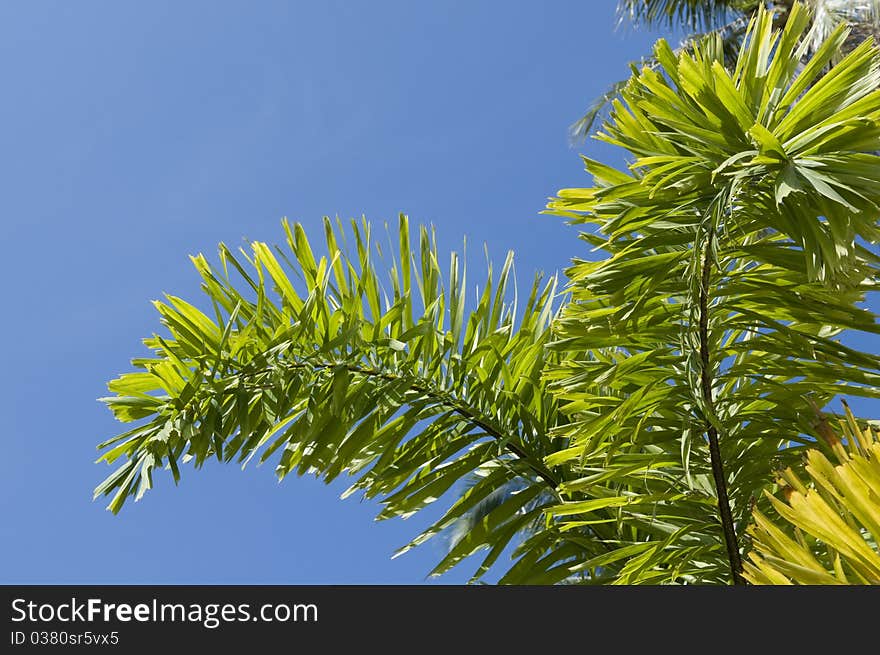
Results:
730 539
461 409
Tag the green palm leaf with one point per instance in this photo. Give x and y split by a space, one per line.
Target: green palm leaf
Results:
831 522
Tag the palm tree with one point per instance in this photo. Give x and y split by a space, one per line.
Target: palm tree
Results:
729 20
627 436
736 258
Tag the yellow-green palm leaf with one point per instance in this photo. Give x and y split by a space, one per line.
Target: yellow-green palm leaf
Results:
831 523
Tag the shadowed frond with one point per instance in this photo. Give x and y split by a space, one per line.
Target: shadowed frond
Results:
693 15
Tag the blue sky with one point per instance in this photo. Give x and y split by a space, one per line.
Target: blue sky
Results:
135 134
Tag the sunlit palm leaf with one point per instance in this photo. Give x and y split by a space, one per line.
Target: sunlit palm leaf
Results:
831 522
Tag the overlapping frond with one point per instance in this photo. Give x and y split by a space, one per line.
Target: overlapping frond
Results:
740 234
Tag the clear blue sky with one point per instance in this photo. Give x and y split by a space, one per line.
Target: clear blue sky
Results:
134 134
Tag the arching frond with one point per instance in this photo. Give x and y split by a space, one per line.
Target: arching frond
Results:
401 381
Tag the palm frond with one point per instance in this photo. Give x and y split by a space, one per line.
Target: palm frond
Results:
826 529
402 382
693 15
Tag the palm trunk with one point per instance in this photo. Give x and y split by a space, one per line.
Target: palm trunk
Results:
730 539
